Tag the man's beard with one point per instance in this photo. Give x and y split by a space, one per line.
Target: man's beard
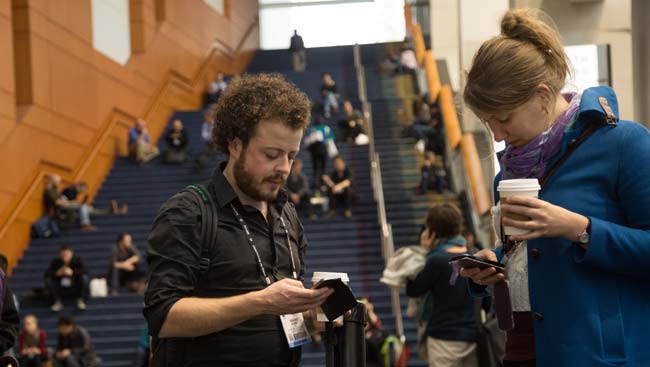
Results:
248 184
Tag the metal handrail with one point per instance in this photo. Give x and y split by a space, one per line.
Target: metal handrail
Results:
387 244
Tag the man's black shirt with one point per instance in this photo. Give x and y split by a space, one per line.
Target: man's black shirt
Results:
173 256
76 264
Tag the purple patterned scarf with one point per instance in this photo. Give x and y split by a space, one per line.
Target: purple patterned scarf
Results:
530 160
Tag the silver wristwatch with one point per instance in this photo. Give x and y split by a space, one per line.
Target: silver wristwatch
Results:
585 235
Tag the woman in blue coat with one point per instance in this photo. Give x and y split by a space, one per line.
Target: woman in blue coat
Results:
579 279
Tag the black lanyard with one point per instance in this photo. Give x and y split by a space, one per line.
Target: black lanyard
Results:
244 227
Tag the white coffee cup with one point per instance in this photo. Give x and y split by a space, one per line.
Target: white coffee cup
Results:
324 275
518 187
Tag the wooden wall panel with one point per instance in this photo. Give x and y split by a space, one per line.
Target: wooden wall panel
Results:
6 125
5 8
75 104
7 60
7 81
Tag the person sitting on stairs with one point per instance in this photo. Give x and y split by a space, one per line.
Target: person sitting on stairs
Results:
74 348
57 205
67 274
126 267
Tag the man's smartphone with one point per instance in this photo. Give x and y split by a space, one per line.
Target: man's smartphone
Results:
469 261
338 302
329 283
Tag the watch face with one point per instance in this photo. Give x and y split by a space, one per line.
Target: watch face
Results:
584 237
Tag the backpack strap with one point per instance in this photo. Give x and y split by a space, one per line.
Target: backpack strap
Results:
208 230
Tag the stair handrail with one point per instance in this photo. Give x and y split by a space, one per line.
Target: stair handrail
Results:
387 244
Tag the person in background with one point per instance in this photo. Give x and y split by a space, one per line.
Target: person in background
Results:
207 153
351 123
452 320
215 89
74 191
67 274
298 188
433 175
316 139
32 350
339 183
298 54
9 319
330 95
143 350
74 348
177 141
140 149
407 61
578 277
54 202
126 266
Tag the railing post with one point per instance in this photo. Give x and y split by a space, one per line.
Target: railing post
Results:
387 246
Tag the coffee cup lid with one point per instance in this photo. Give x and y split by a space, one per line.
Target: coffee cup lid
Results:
319 275
522 184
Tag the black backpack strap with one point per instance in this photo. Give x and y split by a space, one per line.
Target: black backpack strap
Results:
208 229
170 352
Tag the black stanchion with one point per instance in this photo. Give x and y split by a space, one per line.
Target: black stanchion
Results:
331 343
346 346
354 339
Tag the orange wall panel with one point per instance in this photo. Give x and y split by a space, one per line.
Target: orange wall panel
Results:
6 126
5 8
475 176
76 105
5 199
73 87
40 79
6 60
7 106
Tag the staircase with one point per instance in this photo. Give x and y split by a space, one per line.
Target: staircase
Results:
114 322
390 97
335 244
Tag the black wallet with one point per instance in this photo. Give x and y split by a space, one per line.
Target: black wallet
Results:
338 302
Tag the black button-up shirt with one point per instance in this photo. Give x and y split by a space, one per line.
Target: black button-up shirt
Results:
173 256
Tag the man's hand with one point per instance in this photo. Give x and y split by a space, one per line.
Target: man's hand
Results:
63 354
288 296
487 276
64 271
295 198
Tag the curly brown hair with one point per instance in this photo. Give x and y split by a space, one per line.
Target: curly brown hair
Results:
252 98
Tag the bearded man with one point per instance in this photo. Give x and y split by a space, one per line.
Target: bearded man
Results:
246 309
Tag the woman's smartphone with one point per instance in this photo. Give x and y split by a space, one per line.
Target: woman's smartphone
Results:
469 261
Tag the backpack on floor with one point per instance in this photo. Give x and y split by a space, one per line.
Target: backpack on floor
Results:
45 227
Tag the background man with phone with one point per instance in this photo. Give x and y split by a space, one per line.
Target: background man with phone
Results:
236 313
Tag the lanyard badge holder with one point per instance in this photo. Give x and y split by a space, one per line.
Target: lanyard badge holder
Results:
294 326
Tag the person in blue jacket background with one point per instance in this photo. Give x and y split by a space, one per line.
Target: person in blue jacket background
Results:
579 279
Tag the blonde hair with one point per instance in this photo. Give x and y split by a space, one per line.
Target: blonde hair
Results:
507 69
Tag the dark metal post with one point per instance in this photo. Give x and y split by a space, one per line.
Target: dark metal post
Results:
353 344
330 345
